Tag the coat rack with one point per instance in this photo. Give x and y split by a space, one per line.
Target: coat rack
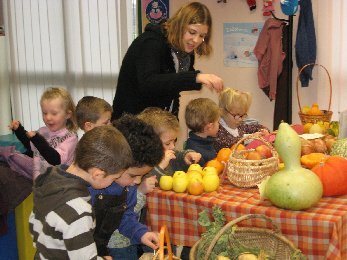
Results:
288 118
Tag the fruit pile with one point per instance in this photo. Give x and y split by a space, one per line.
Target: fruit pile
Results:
313 110
195 181
331 128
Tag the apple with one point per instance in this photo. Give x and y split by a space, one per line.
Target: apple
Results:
165 182
264 150
195 186
179 174
210 182
180 183
194 167
194 174
209 170
253 155
299 129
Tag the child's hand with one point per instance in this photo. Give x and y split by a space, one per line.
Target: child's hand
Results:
14 125
148 184
192 157
169 155
31 134
150 239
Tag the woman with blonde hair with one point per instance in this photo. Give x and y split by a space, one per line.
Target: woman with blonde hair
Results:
159 64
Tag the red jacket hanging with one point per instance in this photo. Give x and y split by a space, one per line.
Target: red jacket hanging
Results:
270 55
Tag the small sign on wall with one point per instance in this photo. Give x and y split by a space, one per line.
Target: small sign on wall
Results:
154 11
239 40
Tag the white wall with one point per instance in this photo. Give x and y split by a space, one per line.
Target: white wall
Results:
239 78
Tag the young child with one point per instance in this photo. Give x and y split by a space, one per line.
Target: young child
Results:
115 205
54 143
234 106
93 111
202 118
62 221
166 126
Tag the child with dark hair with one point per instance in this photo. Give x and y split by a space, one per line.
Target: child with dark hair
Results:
116 215
62 221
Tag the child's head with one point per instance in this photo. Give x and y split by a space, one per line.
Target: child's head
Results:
234 105
58 109
164 123
92 112
185 25
202 116
106 149
145 145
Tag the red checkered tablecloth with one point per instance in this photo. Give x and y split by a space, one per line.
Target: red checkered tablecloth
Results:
320 232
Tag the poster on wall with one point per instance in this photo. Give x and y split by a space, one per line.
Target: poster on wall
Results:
239 40
154 11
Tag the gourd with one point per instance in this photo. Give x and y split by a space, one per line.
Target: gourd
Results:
333 174
293 187
339 148
312 159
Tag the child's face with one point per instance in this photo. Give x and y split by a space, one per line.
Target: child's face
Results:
194 36
100 181
213 129
132 176
234 118
168 139
104 119
54 114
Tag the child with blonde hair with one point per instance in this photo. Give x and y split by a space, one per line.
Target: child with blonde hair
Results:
234 106
202 118
93 111
54 143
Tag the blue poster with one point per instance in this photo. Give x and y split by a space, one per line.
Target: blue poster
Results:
239 42
155 10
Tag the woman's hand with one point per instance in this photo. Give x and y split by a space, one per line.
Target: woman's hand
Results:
147 184
211 81
169 155
192 157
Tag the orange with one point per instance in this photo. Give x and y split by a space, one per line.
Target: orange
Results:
240 147
223 154
216 164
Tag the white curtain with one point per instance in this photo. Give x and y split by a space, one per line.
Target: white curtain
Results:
74 43
331 28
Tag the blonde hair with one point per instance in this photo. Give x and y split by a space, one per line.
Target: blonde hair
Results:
191 13
200 112
68 104
230 99
89 109
161 120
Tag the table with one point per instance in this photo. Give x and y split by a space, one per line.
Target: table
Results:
320 232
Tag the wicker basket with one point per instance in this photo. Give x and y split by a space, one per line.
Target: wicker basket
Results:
326 116
248 173
160 254
270 241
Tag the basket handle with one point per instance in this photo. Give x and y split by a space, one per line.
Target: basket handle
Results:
298 78
254 137
164 237
234 222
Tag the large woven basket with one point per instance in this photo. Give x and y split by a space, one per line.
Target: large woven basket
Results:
327 114
270 241
248 173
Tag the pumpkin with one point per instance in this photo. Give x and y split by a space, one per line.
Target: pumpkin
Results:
333 174
312 159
